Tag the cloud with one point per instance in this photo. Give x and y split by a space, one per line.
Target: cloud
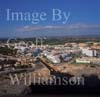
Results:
28 28
35 28
67 28
82 26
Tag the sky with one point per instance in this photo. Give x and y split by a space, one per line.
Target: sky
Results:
84 18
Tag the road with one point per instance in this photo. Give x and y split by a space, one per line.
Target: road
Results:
17 71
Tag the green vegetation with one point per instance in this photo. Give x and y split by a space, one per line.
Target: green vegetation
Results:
7 51
23 66
63 40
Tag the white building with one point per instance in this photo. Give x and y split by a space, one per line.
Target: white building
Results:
53 59
89 52
88 60
82 61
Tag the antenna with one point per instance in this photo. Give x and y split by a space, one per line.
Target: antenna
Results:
36 42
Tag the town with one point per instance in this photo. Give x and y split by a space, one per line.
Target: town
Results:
22 60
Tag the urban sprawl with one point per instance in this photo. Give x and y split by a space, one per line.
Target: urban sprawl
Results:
19 59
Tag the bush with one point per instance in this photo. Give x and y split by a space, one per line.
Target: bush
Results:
7 51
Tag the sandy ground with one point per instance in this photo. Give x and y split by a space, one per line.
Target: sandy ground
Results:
77 70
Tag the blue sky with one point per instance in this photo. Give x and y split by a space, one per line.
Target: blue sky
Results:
84 18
